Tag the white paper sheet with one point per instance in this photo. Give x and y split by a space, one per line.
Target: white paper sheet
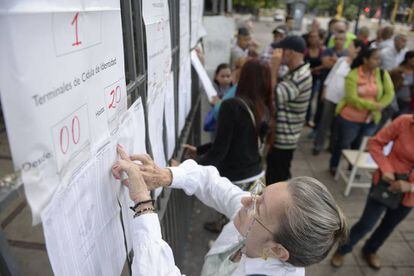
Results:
197 28
155 127
158 35
202 74
170 116
82 223
62 87
131 136
184 79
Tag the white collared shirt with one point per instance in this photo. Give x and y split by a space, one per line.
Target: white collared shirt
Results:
335 81
153 256
390 58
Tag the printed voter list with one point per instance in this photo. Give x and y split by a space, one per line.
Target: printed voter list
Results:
62 87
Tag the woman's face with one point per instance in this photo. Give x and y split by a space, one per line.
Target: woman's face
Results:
373 61
224 77
352 51
313 39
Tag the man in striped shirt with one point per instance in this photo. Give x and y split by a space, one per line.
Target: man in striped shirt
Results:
292 96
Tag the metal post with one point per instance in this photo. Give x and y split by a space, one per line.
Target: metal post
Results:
229 6
383 7
358 15
339 9
394 11
222 6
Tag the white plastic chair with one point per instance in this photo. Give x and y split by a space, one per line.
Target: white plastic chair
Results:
361 161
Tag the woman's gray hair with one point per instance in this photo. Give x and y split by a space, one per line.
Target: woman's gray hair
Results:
311 224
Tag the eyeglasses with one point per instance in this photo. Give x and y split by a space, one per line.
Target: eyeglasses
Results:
255 192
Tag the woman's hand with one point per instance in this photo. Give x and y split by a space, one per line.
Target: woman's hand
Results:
153 175
378 106
388 177
190 152
214 100
401 186
138 190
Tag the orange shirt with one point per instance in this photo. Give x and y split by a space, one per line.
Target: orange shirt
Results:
367 90
401 157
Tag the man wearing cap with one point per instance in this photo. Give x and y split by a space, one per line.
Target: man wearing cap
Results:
292 96
279 33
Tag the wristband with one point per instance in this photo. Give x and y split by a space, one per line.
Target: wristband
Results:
133 208
144 211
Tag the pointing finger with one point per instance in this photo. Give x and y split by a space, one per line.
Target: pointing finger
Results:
122 153
145 159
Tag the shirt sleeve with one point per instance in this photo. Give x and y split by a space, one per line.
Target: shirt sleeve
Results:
333 71
230 94
351 94
152 255
286 91
387 61
389 92
376 145
208 186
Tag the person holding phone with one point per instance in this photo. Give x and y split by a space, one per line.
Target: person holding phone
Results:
395 169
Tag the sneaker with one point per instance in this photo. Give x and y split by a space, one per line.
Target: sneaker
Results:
337 260
332 170
372 260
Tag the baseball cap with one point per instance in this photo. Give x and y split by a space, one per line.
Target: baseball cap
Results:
293 42
280 30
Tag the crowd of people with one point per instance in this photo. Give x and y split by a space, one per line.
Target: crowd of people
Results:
344 87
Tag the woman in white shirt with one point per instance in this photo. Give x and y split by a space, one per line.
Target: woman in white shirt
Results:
334 91
289 226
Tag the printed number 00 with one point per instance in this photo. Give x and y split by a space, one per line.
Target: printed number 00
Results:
64 138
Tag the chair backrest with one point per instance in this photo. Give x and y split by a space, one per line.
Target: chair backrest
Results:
364 143
362 148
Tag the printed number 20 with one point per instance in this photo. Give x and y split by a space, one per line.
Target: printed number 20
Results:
116 97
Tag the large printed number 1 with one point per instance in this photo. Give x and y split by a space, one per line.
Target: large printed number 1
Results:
75 22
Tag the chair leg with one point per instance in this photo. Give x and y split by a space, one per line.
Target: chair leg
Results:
338 169
351 180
